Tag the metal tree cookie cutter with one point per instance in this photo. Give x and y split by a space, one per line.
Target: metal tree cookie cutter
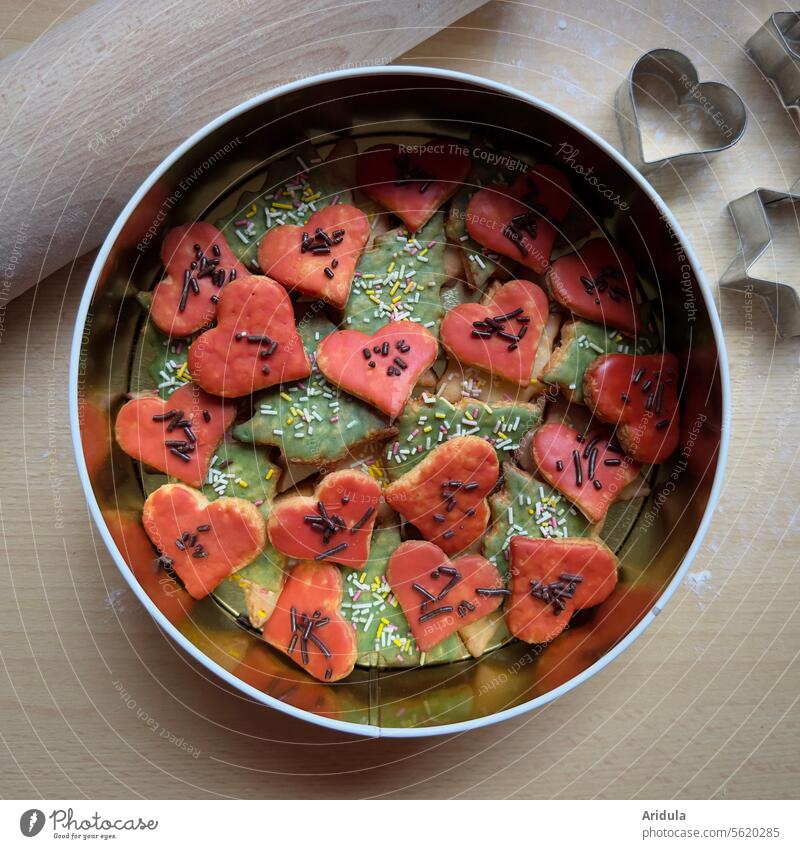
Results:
719 101
774 48
750 214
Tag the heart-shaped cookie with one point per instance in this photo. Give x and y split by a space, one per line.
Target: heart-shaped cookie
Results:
444 496
198 264
440 596
413 181
599 283
334 524
255 343
588 468
639 395
501 334
319 257
307 624
380 369
202 541
517 221
177 437
553 578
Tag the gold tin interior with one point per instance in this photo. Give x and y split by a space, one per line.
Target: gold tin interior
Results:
652 543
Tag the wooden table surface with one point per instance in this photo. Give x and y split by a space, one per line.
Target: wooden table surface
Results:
703 705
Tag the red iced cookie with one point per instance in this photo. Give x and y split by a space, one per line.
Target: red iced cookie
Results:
334 524
553 578
413 181
319 257
444 496
516 221
380 369
307 625
177 437
590 470
598 283
500 335
255 343
441 596
198 263
202 541
639 395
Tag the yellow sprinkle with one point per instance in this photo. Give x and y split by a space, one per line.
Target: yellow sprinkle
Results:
282 205
269 474
390 269
488 409
367 276
393 602
375 300
398 642
363 577
533 381
618 338
286 396
410 287
380 630
531 511
243 484
251 212
397 298
384 620
290 420
315 196
501 434
182 371
468 415
427 429
440 415
378 471
395 287
369 291
423 252
261 613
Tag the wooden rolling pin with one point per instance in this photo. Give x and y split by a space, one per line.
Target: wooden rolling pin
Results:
92 106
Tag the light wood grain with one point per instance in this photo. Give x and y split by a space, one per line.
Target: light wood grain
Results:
96 102
704 704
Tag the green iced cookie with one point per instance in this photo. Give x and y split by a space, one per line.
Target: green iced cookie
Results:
254 589
430 420
294 189
528 507
243 471
581 343
382 631
311 420
401 277
159 362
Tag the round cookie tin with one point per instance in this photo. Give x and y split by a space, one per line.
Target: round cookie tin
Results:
655 547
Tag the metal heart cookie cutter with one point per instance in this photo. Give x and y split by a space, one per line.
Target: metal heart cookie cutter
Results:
774 48
722 104
750 214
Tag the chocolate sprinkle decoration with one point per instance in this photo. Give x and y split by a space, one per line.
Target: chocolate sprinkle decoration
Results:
331 551
492 591
445 608
363 520
576 459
